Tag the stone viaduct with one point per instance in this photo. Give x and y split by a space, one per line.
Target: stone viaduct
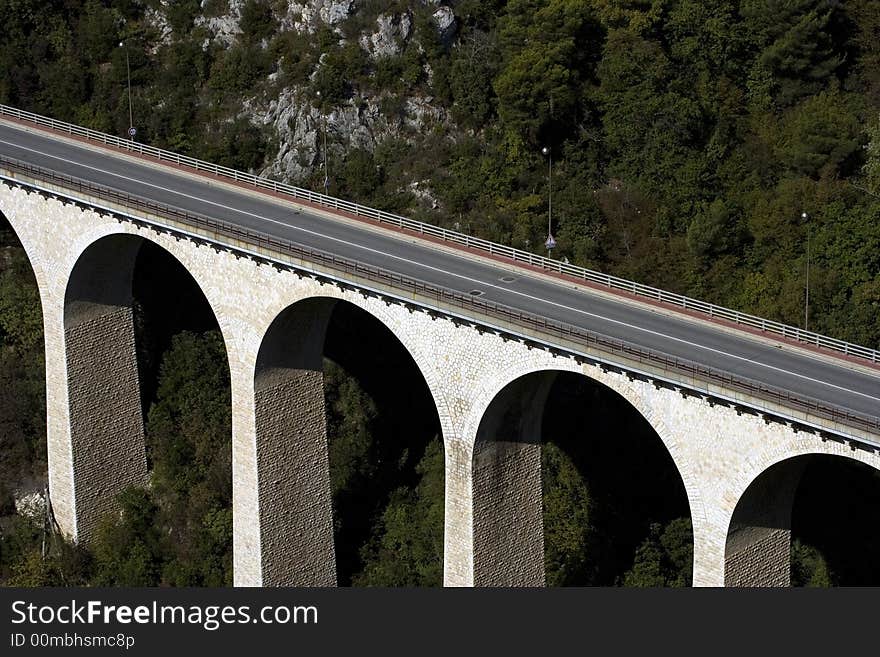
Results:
739 468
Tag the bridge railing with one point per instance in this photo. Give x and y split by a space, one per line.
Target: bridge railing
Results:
443 297
647 292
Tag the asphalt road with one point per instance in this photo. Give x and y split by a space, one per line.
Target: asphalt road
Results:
836 385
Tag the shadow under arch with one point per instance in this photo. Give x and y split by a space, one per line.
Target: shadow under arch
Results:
594 426
313 519
125 297
823 499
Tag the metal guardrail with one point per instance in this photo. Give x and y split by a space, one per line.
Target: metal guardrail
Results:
441 296
611 282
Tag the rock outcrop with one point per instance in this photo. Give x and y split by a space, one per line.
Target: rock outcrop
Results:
360 122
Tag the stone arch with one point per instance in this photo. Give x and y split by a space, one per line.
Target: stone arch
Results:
105 413
400 323
10 216
758 542
506 472
292 450
197 259
408 326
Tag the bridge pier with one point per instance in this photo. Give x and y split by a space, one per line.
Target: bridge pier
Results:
62 483
709 540
106 424
458 534
289 465
507 494
758 545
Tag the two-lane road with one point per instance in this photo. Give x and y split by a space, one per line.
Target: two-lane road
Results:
819 378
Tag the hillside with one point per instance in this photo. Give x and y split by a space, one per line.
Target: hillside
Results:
688 138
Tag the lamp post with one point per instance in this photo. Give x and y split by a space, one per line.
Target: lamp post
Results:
550 243
324 131
131 128
806 218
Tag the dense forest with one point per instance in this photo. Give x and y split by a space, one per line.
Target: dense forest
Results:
688 140
688 136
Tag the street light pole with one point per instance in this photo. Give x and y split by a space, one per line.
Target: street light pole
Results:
806 219
550 243
130 111
326 170
324 130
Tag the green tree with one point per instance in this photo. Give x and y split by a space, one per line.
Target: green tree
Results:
22 377
361 176
351 416
473 67
338 74
704 36
637 16
181 15
568 532
21 319
189 425
406 548
547 53
128 546
98 33
189 430
871 168
864 45
819 135
665 558
257 21
797 44
654 127
526 87
808 566
714 232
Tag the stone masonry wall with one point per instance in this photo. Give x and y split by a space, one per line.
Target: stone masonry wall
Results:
759 538
507 493
106 421
765 561
296 514
508 515
295 501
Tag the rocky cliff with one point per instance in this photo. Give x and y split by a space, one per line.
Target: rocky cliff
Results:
297 116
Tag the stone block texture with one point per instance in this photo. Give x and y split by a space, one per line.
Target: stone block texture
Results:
759 538
492 492
296 513
507 492
106 421
508 515
293 469
765 560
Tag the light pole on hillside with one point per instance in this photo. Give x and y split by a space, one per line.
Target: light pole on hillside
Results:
550 243
131 129
324 130
806 218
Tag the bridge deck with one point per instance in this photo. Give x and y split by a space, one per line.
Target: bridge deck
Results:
835 383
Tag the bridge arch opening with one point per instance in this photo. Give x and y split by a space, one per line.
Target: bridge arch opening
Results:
572 486
23 458
806 521
149 416
350 454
